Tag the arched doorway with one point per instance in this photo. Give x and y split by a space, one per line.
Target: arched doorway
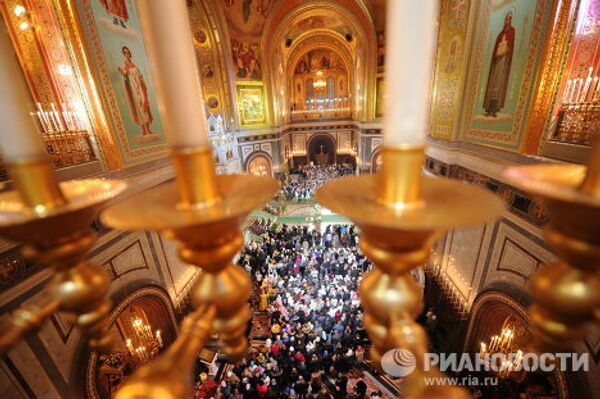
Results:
259 165
321 149
142 325
376 161
493 311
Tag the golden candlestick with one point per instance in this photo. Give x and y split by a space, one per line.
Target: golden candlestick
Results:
203 212
54 223
566 293
401 213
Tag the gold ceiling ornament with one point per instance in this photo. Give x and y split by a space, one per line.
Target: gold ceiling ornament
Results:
54 223
203 212
400 213
566 293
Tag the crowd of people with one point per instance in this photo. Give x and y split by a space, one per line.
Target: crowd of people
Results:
306 283
302 183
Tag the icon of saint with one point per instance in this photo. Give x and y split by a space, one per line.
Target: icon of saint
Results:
497 84
118 10
136 91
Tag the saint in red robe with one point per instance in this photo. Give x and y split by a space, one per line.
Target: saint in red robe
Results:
116 8
497 84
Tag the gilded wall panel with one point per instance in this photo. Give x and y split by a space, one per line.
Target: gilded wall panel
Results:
121 69
450 67
212 65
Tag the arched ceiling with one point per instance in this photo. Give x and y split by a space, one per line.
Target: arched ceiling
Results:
356 7
377 10
292 18
315 40
267 37
255 24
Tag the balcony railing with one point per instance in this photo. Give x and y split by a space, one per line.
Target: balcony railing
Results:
317 114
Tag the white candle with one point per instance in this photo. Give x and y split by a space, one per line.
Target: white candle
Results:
594 88
159 338
573 89
168 40
42 122
577 91
19 135
588 81
59 121
567 90
410 43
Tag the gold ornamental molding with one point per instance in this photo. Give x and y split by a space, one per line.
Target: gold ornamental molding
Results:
153 292
73 33
485 299
559 37
497 297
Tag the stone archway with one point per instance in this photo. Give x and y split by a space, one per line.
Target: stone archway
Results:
104 373
376 161
489 313
322 149
259 164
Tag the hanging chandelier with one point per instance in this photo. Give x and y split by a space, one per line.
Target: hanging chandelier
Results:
144 344
500 353
319 84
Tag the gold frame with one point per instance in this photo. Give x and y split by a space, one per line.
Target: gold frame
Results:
558 40
240 85
74 35
89 43
504 140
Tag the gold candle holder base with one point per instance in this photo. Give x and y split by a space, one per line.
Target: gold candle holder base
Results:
399 223
566 293
206 223
27 175
59 237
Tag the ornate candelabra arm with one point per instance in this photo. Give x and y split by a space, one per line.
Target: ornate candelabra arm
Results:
400 213
225 285
53 221
566 293
170 375
24 321
203 212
